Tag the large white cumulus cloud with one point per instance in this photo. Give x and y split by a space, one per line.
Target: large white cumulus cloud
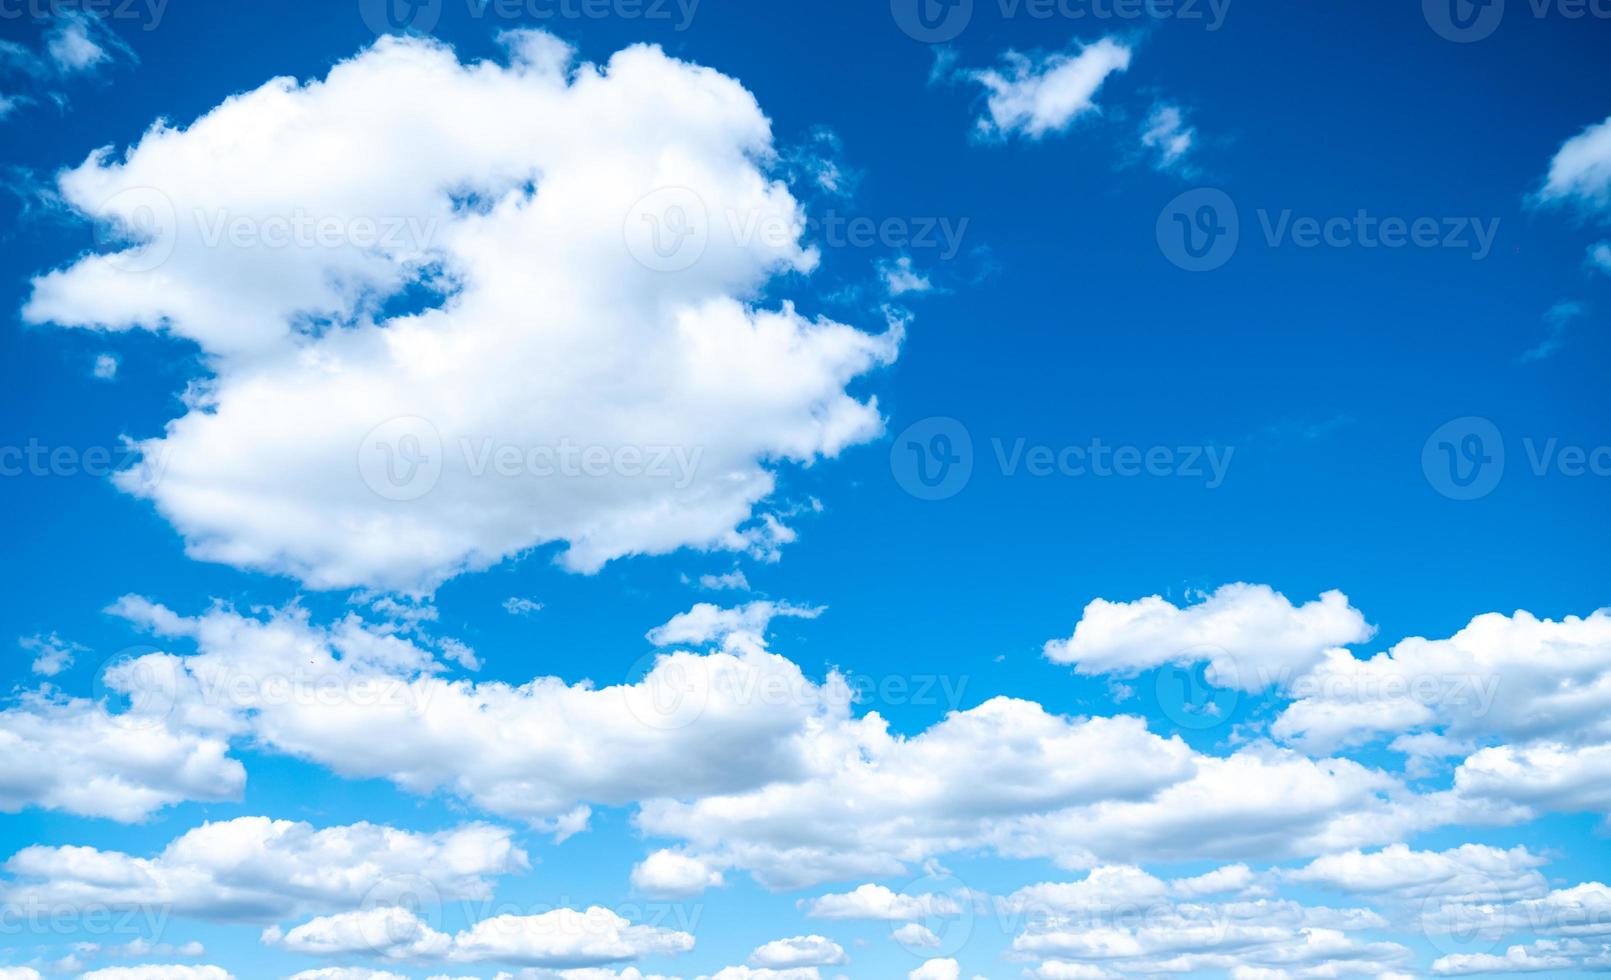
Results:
574 384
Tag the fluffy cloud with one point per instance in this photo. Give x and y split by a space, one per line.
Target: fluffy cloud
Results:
171 971
596 374
257 869
720 750
1258 803
1111 931
1580 173
51 654
1251 636
871 901
668 874
1033 97
372 704
1471 872
799 951
1540 956
1544 776
881 801
941 969
71 754
346 973
558 938
1515 677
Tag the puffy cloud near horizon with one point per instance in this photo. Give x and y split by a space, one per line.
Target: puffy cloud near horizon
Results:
169 971
1470 872
559 938
596 375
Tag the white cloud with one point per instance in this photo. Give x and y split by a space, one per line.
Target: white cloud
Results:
78 42
1033 97
901 277
709 623
1600 256
1538 957
872 901
639 407
257 869
1166 134
880 801
668 874
799 951
1251 636
346 973
558 938
734 579
105 367
915 935
369 705
939 969
1541 776
764 973
52 654
70 754
1516 677
1580 173
1470 872
521 606
171 971
18 973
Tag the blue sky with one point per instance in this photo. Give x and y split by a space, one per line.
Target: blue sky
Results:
926 396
